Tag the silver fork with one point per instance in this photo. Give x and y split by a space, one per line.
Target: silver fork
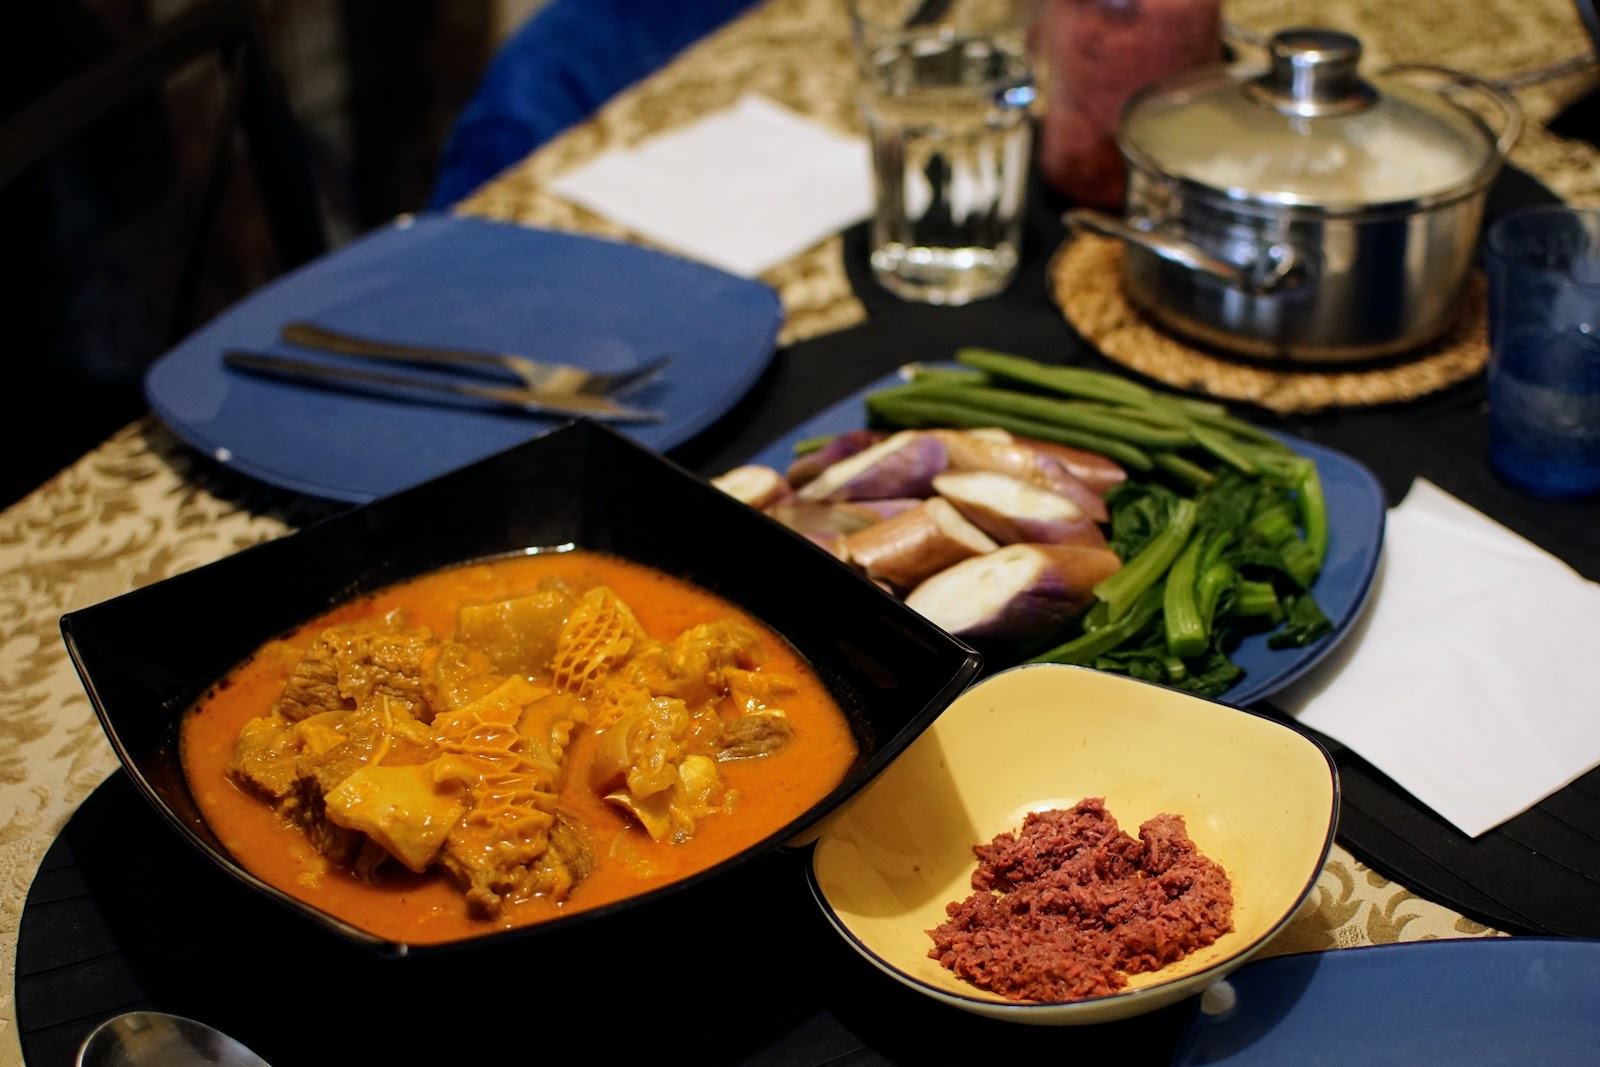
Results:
552 379
331 376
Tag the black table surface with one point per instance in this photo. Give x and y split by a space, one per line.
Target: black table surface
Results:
121 914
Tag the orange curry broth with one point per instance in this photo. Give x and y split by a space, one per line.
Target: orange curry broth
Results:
772 789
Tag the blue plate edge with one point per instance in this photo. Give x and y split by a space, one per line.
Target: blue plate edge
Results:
1195 1021
186 433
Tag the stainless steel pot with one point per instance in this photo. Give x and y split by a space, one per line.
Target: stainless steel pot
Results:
1306 214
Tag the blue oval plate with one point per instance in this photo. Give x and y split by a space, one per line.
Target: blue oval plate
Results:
1356 512
1458 1002
465 283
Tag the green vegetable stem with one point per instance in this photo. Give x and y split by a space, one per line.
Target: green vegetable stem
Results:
1147 568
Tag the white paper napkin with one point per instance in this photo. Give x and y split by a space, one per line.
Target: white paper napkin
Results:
1471 678
743 189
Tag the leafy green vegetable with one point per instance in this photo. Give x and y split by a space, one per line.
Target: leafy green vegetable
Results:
1090 646
1143 569
1305 623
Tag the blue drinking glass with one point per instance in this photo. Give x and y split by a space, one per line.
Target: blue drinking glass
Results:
1543 266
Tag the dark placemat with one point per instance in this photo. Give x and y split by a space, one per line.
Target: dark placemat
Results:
122 915
1535 874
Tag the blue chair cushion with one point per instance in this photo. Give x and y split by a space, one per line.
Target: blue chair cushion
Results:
557 70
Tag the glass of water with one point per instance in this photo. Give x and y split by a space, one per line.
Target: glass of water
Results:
946 89
1543 266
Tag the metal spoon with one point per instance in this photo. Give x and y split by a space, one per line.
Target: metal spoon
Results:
145 1038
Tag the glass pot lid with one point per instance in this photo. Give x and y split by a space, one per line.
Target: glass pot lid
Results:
1309 130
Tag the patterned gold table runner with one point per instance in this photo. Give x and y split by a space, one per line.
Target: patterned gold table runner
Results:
142 507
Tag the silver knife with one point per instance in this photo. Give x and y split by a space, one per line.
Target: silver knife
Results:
538 375
330 376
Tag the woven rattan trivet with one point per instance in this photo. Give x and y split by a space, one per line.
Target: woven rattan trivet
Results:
1086 282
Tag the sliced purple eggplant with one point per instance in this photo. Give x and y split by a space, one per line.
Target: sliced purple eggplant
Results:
1011 510
822 523
904 550
998 451
1098 472
901 465
760 487
1017 591
842 446
888 507
823 517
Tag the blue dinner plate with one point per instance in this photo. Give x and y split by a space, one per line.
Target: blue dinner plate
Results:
464 283
1356 511
1455 1003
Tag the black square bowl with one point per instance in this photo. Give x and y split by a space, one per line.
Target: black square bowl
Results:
147 656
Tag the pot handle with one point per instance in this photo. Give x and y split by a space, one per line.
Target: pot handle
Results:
1279 267
1513 119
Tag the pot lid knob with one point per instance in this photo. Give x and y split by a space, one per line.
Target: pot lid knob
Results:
1313 74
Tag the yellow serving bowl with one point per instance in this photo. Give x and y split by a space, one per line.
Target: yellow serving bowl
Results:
1258 797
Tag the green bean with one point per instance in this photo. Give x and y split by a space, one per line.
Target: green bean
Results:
1150 415
909 408
1283 468
1239 428
953 375
1078 415
912 388
1083 383
1219 445
1183 469
1074 381
1196 407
